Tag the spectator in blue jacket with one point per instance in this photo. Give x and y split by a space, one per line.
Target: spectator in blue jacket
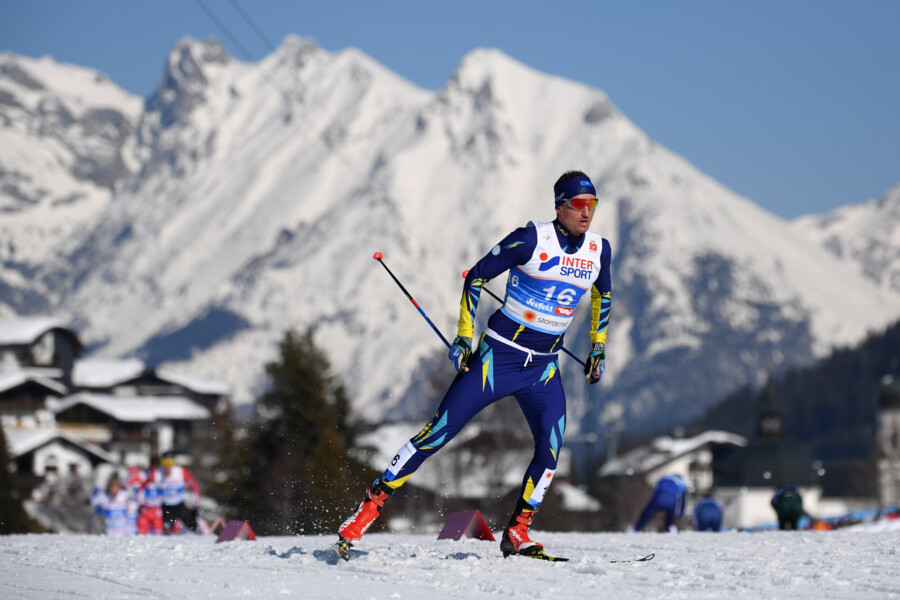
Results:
707 514
669 497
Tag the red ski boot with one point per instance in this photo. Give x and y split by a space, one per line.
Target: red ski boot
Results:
515 537
353 528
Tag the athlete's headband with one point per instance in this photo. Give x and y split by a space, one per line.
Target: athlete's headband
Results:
568 189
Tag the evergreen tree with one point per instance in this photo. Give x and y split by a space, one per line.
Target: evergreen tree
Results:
13 518
292 474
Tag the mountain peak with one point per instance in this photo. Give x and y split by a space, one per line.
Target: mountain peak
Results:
209 51
186 78
483 64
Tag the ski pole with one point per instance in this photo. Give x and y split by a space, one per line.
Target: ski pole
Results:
379 256
497 298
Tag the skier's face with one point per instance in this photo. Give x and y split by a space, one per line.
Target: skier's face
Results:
576 221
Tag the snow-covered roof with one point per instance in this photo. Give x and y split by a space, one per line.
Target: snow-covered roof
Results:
24 440
136 409
665 449
195 384
13 379
17 331
105 372
574 498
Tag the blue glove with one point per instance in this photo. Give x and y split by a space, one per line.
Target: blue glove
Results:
459 353
595 363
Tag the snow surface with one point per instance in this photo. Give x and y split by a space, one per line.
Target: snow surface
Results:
849 563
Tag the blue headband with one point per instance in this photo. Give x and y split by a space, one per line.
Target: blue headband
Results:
568 189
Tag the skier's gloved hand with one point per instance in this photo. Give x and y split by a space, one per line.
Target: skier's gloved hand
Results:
595 363
459 353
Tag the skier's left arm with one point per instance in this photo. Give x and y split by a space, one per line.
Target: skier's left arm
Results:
601 303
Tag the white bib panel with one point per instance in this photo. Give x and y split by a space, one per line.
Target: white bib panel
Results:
542 294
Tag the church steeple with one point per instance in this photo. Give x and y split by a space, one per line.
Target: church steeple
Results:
770 423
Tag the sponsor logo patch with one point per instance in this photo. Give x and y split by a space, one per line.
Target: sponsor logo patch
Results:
549 264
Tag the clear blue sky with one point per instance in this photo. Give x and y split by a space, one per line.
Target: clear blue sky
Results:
794 104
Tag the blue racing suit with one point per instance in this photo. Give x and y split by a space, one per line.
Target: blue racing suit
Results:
708 515
668 497
549 270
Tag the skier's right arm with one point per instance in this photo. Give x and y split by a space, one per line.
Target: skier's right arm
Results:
515 249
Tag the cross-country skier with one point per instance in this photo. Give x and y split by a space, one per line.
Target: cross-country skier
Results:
551 265
669 496
172 483
149 497
118 508
707 515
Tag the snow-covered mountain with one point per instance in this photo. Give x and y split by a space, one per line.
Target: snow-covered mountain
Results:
242 199
67 139
864 235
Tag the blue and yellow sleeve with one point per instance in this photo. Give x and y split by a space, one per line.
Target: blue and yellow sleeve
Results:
515 249
601 298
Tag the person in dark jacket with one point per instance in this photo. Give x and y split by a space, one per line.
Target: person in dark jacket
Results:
788 505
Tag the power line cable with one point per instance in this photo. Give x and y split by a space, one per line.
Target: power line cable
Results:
285 95
212 17
253 25
237 43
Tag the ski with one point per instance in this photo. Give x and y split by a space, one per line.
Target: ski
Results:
543 556
642 559
342 549
539 555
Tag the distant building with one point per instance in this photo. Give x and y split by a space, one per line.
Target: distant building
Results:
625 483
746 481
41 453
888 442
131 429
23 397
692 458
64 415
131 377
38 346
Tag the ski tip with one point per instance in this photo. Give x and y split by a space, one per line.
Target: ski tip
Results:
378 256
642 559
465 273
